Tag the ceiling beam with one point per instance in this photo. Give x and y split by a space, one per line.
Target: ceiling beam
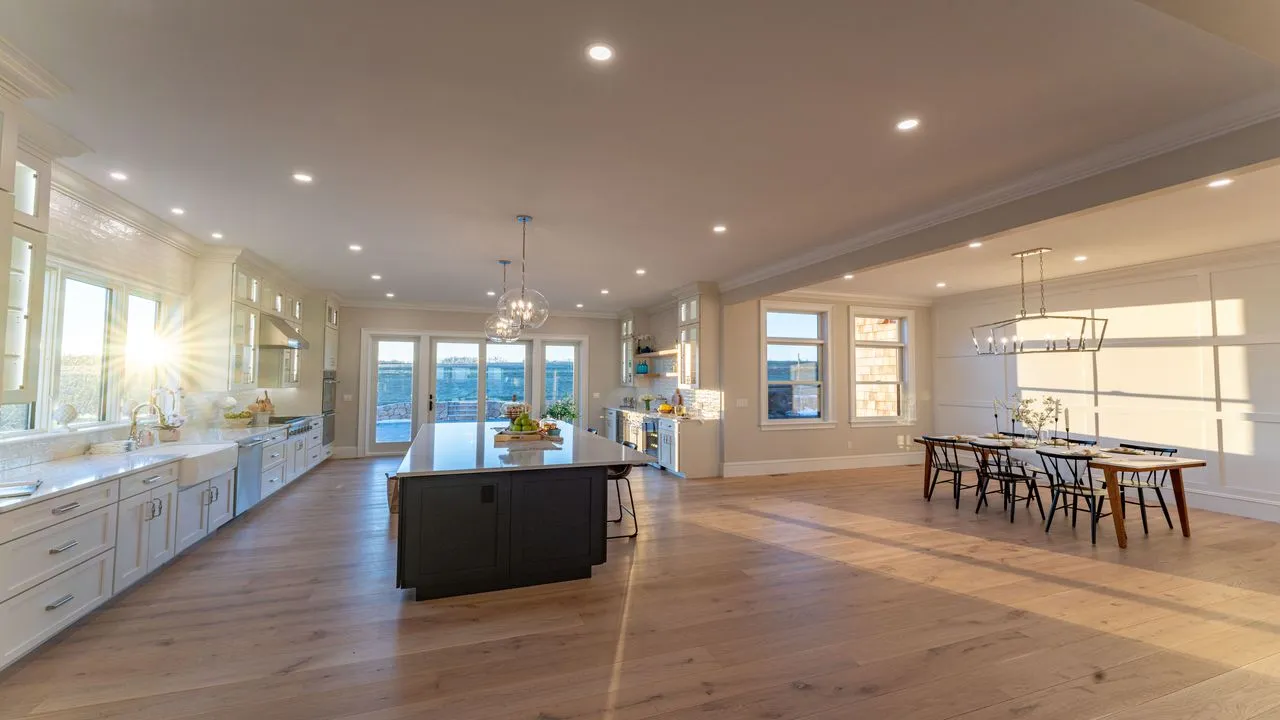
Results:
1251 145
1253 25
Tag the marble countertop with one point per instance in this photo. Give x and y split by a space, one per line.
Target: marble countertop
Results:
196 436
468 447
60 477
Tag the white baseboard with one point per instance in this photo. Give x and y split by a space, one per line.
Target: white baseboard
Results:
343 452
1232 504
842 462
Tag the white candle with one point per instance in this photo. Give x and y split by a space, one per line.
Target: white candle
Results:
1066 416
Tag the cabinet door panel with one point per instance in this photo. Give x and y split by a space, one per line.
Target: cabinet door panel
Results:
222 497
462 530
557 520
192 515
162 531
131 540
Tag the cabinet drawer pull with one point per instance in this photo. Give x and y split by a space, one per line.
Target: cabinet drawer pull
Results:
275 455
64 509
152 479
59 602
63 548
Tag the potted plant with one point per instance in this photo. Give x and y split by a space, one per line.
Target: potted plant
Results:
648 399
565 410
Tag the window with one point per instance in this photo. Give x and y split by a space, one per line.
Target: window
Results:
82 349
880 364
142 349
796 359
17 416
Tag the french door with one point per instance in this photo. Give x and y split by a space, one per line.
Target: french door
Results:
472 379
393 399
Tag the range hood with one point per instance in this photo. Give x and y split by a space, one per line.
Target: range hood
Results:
276 333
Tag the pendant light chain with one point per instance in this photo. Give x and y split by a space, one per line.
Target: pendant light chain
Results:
1022 283
524 244
1042 310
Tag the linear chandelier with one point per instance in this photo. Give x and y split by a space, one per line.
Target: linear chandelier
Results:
1025 333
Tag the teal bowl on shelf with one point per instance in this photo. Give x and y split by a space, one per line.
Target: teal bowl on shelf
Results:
553 432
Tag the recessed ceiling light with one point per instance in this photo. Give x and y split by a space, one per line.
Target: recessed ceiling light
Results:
303 178
1081 258
391 294
907 124
639 271
975 244
490 293
375 277
216 236
117 175
719 229
177 211
600 52
1220 182
579 304
848 276
604 292
355 248
942 284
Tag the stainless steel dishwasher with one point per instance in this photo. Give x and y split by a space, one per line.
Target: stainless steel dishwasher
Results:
249 474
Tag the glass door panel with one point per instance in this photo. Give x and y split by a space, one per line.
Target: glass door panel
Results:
560 368
506 375
456 376
395 411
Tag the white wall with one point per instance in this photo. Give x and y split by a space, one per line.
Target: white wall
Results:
1192 360
752 450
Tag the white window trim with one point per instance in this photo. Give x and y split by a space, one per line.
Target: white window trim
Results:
824 422
908 399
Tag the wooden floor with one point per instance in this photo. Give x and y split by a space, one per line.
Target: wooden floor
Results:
824 596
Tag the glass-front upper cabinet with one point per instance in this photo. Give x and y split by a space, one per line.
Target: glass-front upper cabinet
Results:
244 346
31 190
23 315
248 288
8 150
295 308
689 310
689 356
331 314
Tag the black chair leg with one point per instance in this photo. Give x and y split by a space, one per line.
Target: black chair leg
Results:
618 492
1034 489
934 484
1011 499
1075 509
1094 505
982 493
1142 509
1053 508
635 520
955 480
1163 507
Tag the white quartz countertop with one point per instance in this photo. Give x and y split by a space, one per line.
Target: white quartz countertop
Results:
226 434
655 415
63 476
469 447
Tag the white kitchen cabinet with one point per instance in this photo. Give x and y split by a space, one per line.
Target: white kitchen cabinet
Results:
32 186
688 310
689 359
23 285
35 558
330 348
272 479
28 619
247 288
331 313
667 455
295 458
192 515
222 500
611 424
244 347
146 534
295 309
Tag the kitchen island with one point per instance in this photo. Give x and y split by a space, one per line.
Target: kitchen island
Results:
478 515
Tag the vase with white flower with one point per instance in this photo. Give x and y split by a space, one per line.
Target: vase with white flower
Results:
648 399
1038 414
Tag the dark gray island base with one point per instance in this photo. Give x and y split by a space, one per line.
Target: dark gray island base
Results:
475 517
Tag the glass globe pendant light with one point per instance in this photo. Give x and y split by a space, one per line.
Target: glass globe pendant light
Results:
526 307
499 327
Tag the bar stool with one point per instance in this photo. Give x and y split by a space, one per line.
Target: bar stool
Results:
620 474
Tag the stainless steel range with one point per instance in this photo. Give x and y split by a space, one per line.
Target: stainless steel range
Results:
296 424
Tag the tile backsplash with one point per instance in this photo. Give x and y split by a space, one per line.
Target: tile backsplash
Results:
54 446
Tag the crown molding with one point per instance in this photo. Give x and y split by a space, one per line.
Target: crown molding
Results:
856 298
21 78
1238 116
470 309
76 186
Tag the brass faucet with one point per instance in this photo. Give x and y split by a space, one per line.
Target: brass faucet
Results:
133 418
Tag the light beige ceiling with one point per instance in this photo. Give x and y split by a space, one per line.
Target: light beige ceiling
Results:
1191 219
428 125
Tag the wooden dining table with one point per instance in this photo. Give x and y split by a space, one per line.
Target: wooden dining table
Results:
1111 465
